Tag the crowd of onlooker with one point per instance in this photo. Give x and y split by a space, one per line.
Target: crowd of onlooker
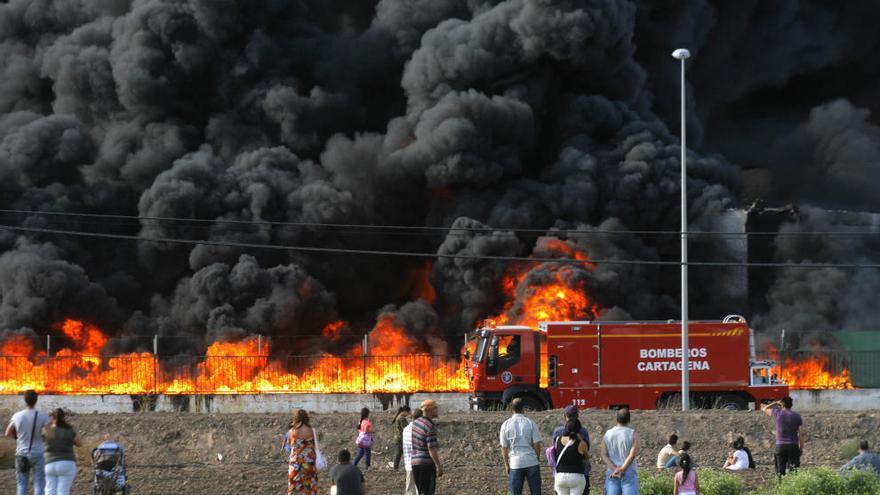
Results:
45 450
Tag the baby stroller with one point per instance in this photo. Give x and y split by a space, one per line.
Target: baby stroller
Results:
108 459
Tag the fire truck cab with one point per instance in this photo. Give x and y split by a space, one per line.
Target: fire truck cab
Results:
503 367
619 364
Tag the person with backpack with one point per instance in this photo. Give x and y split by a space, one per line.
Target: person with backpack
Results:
400 421
364 441
686 482
25 427
60 457
572 452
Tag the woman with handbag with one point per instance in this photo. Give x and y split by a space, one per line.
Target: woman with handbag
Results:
572 452
364 440
302 473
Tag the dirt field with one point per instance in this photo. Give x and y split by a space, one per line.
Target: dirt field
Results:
178 453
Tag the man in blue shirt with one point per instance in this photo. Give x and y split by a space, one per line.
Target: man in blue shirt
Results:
571 412
865 460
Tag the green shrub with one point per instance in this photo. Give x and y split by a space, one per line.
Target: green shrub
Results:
714 482
812 481
849 449
652 483
825 481
861 482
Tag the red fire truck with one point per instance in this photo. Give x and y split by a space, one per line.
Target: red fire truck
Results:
620 364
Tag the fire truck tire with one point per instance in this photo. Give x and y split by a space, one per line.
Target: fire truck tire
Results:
732 403
530 403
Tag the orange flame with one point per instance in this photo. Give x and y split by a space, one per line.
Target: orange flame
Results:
529 303
396 364
810 373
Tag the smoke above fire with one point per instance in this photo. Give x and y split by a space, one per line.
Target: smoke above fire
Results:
485 117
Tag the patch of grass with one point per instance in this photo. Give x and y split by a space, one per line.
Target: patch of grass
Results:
849 449
652 483
825 481
714 482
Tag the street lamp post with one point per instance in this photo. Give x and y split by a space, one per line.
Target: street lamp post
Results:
682 54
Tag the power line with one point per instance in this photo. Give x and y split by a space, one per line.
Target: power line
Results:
408 254
314 225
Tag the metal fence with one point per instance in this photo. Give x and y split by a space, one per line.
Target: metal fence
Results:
146 374
861 367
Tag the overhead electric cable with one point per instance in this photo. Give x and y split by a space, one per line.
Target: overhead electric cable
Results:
435 228
318 249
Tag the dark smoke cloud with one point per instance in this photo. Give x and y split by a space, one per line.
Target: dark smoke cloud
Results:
809 303
836 157
515 114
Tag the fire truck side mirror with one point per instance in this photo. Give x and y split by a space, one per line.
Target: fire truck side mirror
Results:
551 371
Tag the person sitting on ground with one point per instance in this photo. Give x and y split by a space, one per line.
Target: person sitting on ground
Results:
347 478
686 482
740 444
685 449
865 460
667 458
737 459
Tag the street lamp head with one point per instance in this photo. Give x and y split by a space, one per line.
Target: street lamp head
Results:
681 53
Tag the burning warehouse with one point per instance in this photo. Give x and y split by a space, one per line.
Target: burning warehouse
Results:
246 196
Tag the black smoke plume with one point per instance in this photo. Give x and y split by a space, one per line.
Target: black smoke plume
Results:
485 117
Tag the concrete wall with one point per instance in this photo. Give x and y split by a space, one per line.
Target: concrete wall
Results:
256 403
805 400
823 400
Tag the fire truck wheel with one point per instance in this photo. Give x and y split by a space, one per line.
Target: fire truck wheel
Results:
732 403
531 404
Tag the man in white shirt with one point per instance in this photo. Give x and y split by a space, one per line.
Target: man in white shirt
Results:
668 455
407 454
25 427
520 448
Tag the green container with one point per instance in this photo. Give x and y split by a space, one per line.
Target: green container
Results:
864 356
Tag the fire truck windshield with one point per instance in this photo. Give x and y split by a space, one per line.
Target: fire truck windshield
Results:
480 352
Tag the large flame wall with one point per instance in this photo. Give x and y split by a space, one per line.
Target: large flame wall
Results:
228 367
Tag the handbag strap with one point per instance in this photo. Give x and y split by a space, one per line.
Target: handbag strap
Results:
315 436
33 431
569 444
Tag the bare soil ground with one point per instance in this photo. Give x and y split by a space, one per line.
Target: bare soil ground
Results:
178 452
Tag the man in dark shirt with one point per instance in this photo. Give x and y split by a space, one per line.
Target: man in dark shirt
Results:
789 434
571 412
865 460
347 479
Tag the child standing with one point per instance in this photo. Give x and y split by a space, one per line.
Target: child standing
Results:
686 479
364 440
